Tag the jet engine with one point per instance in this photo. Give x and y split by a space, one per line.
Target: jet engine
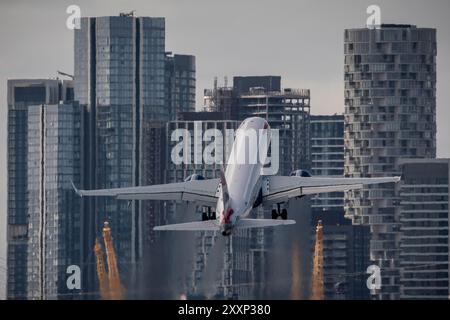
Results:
194 177
300 173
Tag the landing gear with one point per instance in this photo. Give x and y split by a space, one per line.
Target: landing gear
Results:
277 213
284 214
208 214
274 214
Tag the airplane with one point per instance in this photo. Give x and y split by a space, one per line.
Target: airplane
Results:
239 189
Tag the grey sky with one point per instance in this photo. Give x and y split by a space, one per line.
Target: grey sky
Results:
300 40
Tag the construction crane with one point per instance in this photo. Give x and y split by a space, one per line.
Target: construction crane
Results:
317 288
110 284
115 286
101 271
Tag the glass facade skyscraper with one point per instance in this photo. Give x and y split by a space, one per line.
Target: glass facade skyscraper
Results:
21 95
53 161
119 77
122 74
180 84
42 211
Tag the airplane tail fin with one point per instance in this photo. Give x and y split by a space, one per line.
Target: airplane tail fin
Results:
224 189
213 225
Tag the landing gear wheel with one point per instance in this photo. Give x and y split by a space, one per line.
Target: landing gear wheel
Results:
284 214
208 214
274 214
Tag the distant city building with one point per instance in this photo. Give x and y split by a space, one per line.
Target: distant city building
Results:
221 99
243 84
128 83
180 83
346 256
390 113
346 247
40 111
53 208
327 157
424 217
21 95
287 110
154 165
119 77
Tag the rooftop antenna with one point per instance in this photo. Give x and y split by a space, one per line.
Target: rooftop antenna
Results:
127 14
65 74
225 80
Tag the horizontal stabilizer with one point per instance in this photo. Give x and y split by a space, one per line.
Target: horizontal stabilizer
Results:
213 225
261 223
208 225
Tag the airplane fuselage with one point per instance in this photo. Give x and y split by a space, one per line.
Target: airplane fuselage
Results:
242 174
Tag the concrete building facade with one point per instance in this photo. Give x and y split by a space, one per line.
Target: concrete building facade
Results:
424 246
390 113
327 157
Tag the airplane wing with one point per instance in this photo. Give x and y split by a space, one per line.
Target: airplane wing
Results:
199 191
279 189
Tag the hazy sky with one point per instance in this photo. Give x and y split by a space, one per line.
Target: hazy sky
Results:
300 40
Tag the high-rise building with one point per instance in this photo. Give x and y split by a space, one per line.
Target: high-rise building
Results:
243 84
21 95
390 113
38 161
327 157
180 83
424 218
127 83
119 77
287 110
346 256
346 247
53 161
221 99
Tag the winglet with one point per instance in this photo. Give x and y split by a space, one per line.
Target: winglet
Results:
397 179
75 189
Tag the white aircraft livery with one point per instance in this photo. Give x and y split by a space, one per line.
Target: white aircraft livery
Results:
240 188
